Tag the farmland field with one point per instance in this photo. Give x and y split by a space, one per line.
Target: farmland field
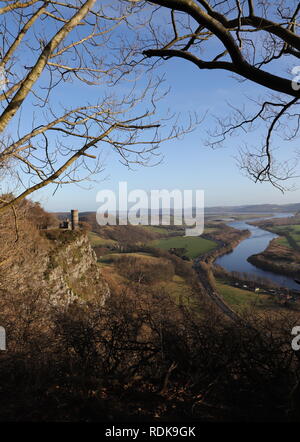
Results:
236 297
290 235
240 299
194 245
282 241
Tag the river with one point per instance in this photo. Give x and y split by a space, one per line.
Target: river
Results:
256 243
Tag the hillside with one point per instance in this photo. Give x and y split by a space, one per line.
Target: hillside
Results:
60 264
134 335
90 216
254 208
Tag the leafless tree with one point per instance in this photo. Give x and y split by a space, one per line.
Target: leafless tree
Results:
256 41
47 135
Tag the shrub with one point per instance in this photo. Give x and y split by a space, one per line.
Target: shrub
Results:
143 270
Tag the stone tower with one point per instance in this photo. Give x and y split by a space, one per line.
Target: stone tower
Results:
74 219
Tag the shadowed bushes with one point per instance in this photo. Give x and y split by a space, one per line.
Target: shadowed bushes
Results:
144 270
142 357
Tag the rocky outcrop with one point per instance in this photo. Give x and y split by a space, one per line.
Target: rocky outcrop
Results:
62 265
72 271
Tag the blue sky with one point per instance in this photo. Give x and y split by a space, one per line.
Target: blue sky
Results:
187 162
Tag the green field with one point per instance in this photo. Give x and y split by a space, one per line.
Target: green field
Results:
237 298
240 299
194 245
290 235
283 242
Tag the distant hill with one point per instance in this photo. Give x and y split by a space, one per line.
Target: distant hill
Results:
250 208
254 208
123 234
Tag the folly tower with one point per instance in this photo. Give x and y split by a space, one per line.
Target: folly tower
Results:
74 219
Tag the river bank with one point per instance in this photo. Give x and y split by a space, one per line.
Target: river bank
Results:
225 246
278 259
258 241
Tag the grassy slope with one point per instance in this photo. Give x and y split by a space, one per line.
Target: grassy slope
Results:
292 231
97 240
240 299
111 257
195 245
282 241
289 235
177 288
235 296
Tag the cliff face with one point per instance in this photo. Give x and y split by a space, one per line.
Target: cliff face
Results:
62 265
71 270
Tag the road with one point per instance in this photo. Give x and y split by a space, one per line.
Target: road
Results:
210 291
